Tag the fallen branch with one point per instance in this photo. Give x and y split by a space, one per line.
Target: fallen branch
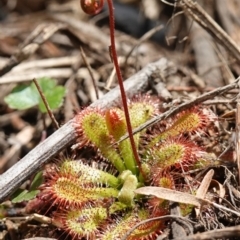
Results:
224 233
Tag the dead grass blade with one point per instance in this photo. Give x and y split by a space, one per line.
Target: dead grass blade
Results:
203 188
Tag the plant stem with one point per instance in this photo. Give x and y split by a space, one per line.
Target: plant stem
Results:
120 82
55 123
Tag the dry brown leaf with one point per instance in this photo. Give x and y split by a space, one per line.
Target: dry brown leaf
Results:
171 195
203 188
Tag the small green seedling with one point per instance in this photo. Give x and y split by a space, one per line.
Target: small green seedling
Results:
25 195
27 96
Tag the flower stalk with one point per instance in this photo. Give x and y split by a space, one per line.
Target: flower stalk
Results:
121 86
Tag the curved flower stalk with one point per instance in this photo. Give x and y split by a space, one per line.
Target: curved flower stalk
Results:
93 7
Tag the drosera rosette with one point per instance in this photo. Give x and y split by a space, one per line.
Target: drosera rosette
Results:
86 200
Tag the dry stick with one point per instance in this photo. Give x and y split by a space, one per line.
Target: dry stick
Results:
203 188
197 13
55 123
183 106
90 71
25 76
64 136
18 173
215 234
46 63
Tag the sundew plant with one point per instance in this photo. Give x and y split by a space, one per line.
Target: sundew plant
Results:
92 196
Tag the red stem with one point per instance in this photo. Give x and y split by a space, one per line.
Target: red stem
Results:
120 82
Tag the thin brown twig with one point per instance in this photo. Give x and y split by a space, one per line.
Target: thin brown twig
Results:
174 15
219 101
182 88
55 123
90 71
183 106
